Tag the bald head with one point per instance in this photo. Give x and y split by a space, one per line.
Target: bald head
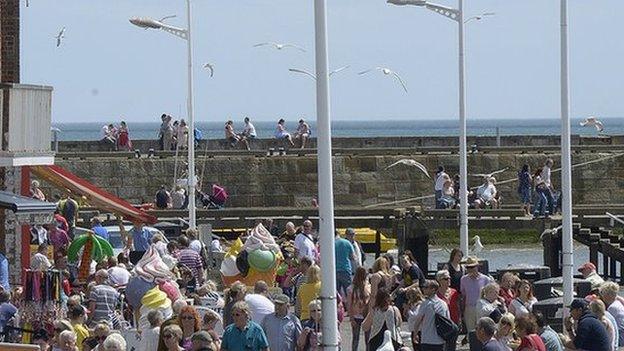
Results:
101 276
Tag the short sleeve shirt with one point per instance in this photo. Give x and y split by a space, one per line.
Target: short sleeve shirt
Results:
344 251
251 338
282 333
141 238
428 309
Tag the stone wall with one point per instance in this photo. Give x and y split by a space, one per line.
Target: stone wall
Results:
379 142
358 180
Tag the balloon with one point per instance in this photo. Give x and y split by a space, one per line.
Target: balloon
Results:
228 266
136 289
169 288
242 263
235 248
262 260
155 298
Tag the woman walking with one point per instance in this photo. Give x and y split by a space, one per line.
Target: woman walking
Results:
357 302
524 188
383 316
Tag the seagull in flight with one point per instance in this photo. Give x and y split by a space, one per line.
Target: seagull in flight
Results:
59 37
280 46
480 17
488 175
593 121
411 163
387 71
311 75
478 246
210 67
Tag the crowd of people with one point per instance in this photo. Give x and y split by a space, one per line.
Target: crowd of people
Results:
447 192
117 137
300 136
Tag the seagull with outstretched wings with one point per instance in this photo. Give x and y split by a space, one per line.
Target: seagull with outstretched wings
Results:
593 121
411 163
313 76
388 72
60 36
210 67
280 46
488 175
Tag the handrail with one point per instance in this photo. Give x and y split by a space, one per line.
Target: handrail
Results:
614 218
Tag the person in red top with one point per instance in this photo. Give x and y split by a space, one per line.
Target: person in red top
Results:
507 287
527 331
452 299
61 221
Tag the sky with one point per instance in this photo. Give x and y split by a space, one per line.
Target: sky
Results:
107 69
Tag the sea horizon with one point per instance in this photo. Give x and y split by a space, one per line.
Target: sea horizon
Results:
84 131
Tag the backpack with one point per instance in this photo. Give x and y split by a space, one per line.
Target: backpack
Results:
446 328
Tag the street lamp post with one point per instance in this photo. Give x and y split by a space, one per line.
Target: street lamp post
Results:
566 168
325 181
458 16
149 23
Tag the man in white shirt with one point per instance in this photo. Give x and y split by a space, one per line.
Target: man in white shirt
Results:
259 303
549 194
249 131
39 261
425 318
440 179
304 244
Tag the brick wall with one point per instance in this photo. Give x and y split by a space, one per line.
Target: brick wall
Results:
10 41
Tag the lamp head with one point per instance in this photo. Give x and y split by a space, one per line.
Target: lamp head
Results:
407 2
146 22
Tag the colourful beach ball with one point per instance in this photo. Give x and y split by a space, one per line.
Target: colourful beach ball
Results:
262 260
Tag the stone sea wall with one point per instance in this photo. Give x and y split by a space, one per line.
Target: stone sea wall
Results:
381 142
358 180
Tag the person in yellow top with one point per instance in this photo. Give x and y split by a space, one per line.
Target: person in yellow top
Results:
77 318
309 291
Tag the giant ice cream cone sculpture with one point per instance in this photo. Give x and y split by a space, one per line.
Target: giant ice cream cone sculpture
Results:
256 259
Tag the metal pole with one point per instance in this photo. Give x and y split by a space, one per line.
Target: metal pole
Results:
191 123
498 137
463 156
566 167
325 182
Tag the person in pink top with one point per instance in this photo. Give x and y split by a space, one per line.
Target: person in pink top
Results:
58 237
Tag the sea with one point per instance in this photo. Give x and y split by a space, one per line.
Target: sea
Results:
360 128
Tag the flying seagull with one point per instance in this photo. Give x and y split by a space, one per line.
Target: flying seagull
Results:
411 163
592 121
314 76
478 246
280 46
488 175
387 72
59 37
209 66
480 17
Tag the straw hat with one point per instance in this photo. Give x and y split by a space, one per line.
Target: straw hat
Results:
471 261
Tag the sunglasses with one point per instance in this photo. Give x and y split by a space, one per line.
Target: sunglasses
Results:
188 318
315 310
237 314
167 336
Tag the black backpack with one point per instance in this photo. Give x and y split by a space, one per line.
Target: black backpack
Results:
446 328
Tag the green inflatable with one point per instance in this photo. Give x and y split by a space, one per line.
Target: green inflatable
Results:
262 260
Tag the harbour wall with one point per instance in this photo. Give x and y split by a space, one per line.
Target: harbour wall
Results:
358 180
372 142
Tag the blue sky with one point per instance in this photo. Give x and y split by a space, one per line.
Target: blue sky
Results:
106 68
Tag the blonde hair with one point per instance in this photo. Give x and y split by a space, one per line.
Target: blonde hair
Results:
313 274
236 288
380 264
598 308
488 288
173 329
610 289
314 303
242 306
509 319
67 334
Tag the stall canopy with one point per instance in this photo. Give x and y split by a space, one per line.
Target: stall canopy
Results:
63 179
26 209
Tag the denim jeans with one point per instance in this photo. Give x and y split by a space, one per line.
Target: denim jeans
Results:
542 201
551 201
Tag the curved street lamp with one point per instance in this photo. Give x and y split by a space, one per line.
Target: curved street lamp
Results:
150 23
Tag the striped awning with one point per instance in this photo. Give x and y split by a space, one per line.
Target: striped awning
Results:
63 179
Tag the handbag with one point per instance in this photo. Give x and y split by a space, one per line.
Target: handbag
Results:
446 328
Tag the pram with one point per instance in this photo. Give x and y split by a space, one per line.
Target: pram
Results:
216 200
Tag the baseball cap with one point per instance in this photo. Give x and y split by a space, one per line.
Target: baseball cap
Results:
281 298
578 303
587 265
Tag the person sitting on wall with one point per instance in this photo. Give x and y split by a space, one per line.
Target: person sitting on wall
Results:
486 194
448 195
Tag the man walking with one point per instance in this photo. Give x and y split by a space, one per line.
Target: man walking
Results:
425 318
103 300
191 259
244 334
259 304
282 328
358 260
470 286
344 254
304 242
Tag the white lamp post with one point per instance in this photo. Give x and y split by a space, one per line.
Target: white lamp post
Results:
149 23
458 16
566 168
329 339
